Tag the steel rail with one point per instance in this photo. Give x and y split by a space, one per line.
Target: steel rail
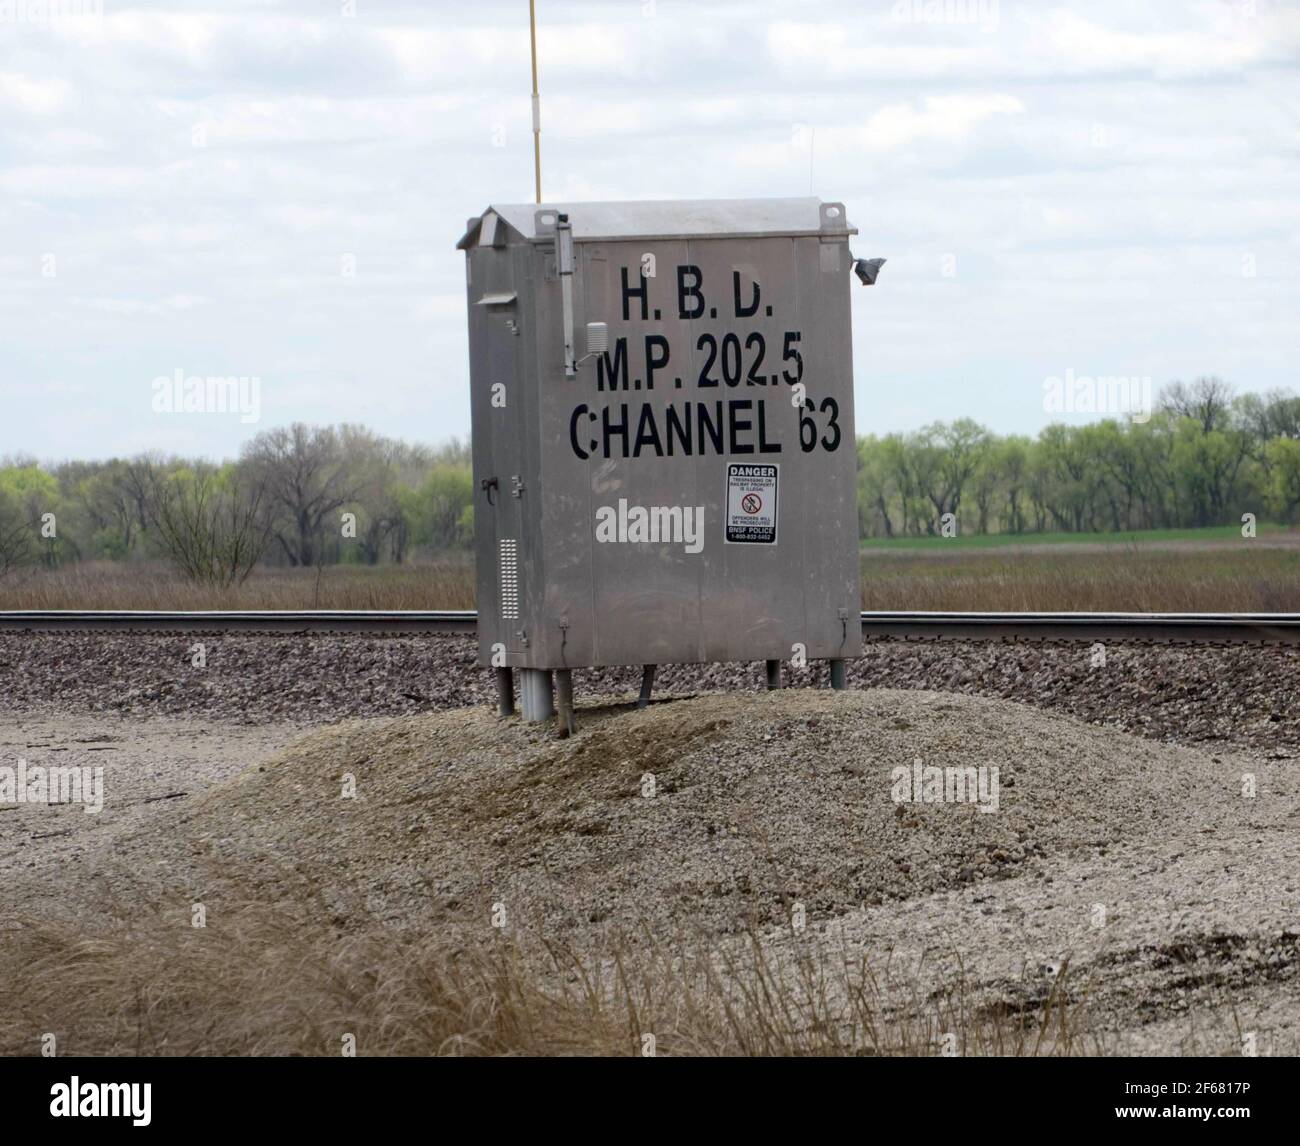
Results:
261 621
1193 628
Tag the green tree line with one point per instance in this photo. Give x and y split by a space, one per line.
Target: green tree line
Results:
315 495
1203 457
297 495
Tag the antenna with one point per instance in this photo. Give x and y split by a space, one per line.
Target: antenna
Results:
537 104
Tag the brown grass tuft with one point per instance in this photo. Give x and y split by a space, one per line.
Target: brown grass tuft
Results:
271 982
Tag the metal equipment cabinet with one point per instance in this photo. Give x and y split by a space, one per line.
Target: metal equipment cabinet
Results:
663 435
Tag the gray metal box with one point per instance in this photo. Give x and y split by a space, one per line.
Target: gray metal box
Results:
688 494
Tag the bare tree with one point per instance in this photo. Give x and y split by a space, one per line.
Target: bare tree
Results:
18 545
212 522
306 476
134 479
1207 401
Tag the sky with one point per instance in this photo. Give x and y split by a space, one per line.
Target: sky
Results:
274 191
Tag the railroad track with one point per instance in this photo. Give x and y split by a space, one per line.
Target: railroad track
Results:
1192 628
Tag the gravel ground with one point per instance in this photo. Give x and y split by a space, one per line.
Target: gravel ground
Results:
761 804
150 764
1239 696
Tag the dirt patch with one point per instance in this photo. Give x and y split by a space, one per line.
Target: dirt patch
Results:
148 768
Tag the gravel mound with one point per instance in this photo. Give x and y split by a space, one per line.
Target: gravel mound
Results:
759 802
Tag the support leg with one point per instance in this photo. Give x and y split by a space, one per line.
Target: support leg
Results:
564 696
773 674
537 694
505 692
839 675
647 685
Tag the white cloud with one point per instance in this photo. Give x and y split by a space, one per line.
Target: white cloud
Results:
186 36
174 234
72 181
876 51
173 304
943 119
28 93
1079 46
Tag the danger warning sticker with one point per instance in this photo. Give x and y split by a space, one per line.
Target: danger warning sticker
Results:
751 504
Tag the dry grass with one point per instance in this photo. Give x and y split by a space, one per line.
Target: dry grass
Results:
1186 579
447 583
267 982
1169 578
